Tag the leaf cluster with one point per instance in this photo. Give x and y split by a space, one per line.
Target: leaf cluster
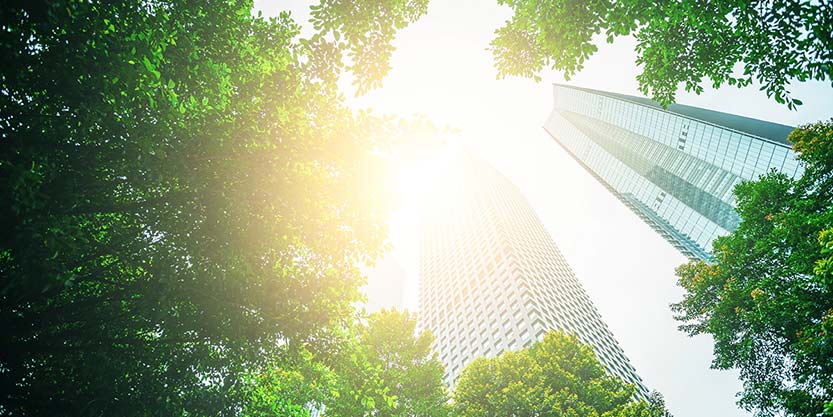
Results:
389 370
365 30
558 376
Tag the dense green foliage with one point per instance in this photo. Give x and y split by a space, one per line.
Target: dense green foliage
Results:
768 298
289 386
380 367
678 42
183 200
390 371
557 376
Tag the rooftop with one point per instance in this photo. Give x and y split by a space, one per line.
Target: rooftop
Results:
772 131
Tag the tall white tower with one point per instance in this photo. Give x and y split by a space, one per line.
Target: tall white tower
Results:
492 278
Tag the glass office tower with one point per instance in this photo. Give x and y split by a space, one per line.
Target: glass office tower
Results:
492 279
675 168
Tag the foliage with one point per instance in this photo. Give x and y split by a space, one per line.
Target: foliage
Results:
290 387
366 30
378 366
656 405
768 298
184 198
678 42
557 376
389 371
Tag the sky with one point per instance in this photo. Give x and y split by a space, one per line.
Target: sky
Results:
442 70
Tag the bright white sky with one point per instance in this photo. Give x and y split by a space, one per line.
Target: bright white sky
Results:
441 70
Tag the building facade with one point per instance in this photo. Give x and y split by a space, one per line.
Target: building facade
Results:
492 279
676 167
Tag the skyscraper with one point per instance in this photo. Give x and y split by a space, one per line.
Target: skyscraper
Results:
492 278
675 168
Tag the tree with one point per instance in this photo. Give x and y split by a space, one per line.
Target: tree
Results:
678 42
767 299
183 198
289 387
389 371
557 376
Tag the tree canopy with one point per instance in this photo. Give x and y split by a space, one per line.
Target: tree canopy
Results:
768 297
678 42
379 367
389 370
184 198
558 376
